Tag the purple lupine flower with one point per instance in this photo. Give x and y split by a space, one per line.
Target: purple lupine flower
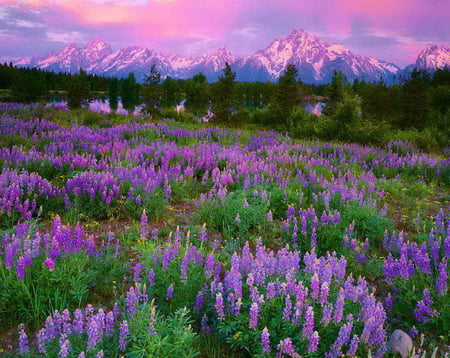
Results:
21 265
324 292
254 313
123 335
287 310
137 269
424 312
109 324
313 342
265 340
237 218
308 325
151 330
315 286
24 347
353 347
327 313
100 354
343 336
64 349
204 323
151 277
144 226
41 341
66 328
389 302
82 355
170 291
413 332
271 291
442 278
219 306
49 263
199 301
270 216
286 347
339 307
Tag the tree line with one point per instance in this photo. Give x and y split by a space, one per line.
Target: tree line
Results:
364 112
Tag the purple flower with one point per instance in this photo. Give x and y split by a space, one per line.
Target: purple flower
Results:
49 263
144 226
204 323
315 286
199 301
442 278
219 306
286 347
324 292
254 312
308 325
151 277
123 335
265 340
170 291
41 341
151 330
313 342
353 348
24 347
64 349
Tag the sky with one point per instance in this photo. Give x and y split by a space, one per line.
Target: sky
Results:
392 30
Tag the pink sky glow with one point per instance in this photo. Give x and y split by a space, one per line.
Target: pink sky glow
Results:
393 30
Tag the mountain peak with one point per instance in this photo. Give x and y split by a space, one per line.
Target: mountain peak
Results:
434 57
96 43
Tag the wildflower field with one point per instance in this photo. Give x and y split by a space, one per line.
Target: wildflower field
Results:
127 238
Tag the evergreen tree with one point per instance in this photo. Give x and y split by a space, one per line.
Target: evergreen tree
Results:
287 96
151 93
78 91
224 95
415 100
197 94
170 95
28 86
130 93
113 94
335 93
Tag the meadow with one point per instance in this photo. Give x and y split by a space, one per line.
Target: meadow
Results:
122 237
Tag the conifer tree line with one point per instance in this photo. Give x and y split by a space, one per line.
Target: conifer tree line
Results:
357 112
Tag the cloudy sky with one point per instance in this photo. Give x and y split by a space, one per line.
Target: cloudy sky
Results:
393 30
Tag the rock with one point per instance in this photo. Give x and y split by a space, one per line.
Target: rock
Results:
400 342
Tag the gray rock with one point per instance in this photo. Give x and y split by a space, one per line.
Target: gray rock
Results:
400 342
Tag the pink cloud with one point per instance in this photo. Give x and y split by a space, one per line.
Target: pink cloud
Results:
403 26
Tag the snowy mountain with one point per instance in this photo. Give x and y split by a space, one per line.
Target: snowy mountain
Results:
315 60
434 57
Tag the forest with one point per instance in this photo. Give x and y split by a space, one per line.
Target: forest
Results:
415 110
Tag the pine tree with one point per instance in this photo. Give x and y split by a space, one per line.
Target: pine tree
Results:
224 95
335 94
130 93
151 93
113 93
197 94
287 96
78 91
415 100
170 93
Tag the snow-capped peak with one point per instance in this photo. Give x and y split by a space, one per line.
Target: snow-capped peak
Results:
434 57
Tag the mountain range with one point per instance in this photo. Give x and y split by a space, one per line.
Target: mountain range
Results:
316 61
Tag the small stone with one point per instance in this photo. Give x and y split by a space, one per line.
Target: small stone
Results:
400 342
